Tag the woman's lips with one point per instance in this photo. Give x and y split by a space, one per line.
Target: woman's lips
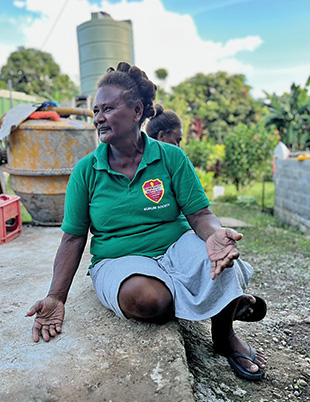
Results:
103 130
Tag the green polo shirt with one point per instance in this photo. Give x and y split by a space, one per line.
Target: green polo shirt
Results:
141 216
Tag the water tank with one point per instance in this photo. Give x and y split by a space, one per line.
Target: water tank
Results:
103 42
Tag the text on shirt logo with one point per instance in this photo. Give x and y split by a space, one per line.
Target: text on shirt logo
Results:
156 207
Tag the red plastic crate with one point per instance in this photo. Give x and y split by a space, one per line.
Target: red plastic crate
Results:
10 217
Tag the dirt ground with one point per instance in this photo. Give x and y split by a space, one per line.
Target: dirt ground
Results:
284 335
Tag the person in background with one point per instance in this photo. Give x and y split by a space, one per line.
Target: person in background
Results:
159 252
165 126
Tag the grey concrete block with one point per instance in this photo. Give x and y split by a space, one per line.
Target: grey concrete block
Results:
97 357
292 192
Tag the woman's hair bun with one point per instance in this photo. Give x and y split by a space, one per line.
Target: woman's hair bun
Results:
123 67
158 109
135 73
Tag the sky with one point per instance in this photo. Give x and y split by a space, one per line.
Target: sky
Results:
266 40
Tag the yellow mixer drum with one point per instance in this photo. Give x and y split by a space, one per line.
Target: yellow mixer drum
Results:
41 156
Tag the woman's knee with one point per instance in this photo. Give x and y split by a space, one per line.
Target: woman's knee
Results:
144 297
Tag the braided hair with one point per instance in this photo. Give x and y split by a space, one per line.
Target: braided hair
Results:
136 86
162 120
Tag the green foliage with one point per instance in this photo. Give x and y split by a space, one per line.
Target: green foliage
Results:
232 198
220 100
290 114
36 73
204 154
206 179
248 151
216 158
198 152
161 73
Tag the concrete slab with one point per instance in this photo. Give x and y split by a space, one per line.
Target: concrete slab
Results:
98 357
232 222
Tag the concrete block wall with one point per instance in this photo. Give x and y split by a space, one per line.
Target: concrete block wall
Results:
292 193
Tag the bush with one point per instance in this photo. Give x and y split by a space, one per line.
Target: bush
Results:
206 179
231 198
198 152
205 154
249 153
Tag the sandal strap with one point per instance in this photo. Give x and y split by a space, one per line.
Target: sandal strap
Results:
251 358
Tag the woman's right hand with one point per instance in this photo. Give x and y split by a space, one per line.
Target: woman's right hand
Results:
50 314
222 249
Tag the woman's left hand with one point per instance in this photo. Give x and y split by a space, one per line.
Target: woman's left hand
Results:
222 249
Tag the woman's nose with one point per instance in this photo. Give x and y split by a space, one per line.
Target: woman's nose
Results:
99 117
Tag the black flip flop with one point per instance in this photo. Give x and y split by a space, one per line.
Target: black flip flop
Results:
259 310
241 371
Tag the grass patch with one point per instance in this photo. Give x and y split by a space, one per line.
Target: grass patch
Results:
267 236
249 213
250 194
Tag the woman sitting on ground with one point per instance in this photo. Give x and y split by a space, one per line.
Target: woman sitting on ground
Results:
158 250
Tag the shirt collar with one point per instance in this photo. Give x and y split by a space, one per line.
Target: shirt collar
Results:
151 154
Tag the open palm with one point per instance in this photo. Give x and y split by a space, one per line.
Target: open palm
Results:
50 314
222 249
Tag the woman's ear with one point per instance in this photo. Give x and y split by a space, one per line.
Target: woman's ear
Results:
161 135
138 110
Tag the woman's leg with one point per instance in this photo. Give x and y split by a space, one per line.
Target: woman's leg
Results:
227 342
146 299
134 287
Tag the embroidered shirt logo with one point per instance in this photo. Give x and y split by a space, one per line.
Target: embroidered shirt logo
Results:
154 190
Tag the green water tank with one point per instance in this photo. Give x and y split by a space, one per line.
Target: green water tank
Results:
103 42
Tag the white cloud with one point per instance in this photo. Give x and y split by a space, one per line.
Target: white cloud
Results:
5 51
162 39
278 80
19 4
234 46
56 30
216 4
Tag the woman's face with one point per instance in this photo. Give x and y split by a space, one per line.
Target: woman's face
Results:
113 119
174 137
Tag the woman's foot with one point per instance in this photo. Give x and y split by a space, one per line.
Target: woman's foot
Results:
252 363
242 358
250 308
